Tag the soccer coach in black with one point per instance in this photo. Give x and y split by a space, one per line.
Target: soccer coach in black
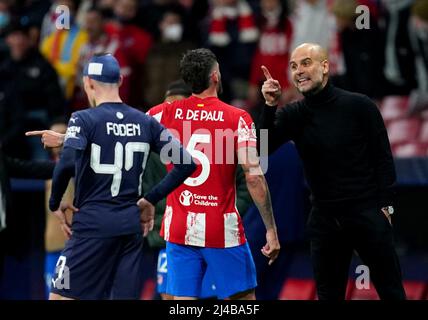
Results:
344 146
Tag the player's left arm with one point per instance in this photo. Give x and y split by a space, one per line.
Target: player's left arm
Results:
256 183
184 166
165 144
259 191
380 150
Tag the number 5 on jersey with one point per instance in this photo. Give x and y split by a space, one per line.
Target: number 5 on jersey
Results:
201 157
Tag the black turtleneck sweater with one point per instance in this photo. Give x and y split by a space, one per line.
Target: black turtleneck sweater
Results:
343 143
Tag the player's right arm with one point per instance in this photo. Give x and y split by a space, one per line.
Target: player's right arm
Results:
281 124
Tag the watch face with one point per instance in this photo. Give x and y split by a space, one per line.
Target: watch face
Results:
390 210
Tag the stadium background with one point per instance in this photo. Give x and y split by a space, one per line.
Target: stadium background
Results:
40 67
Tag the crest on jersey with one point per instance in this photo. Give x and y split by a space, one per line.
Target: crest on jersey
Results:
245 133
186 198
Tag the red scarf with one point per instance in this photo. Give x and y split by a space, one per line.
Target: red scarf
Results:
248 31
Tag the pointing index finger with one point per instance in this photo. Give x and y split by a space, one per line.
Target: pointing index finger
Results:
266 73
35 133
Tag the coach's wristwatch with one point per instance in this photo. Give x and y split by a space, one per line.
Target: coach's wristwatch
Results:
389 209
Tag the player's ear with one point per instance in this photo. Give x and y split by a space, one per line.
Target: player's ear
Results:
90 84
120 81
214 76
326 67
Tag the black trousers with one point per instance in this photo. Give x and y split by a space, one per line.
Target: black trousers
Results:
336 232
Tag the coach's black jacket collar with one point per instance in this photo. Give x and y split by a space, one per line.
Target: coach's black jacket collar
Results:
326 95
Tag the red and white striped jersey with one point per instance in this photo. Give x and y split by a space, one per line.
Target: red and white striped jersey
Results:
202 212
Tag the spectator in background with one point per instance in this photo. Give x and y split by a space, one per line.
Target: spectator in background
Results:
362 51
163 61
135 44
399 69
32 83
419 37
313 22
99 41
11 111
419 27
195 12
192 12
62 49
4 21
273 49
4 14
82 10
233 37
105 6
32 13
151 14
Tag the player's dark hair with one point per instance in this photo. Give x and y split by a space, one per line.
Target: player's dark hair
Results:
195 68
178 87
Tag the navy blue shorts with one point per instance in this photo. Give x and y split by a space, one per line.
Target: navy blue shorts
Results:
231 270
100 268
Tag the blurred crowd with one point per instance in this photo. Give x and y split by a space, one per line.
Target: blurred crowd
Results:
45 44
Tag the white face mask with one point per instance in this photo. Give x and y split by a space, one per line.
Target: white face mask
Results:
173 32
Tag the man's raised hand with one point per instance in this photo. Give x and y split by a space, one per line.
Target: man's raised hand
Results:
271 89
